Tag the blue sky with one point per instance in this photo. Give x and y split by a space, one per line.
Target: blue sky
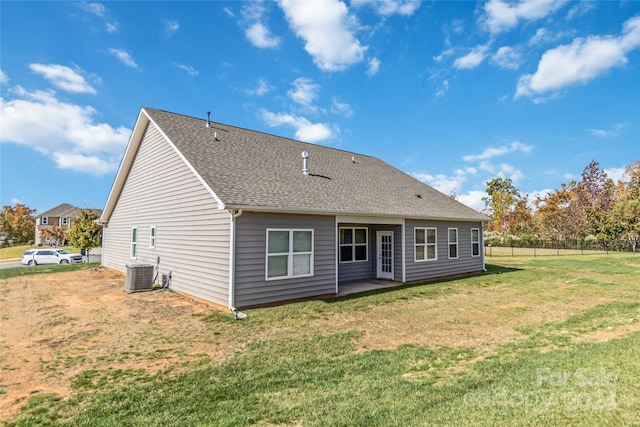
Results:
454 93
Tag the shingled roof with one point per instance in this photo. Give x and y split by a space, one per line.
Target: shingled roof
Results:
257 171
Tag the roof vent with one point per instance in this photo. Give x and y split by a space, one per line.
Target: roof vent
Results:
305 162
208 119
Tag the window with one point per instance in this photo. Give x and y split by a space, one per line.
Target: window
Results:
134 242
475 242
289 253
44 220
453 243
152 237
353 244
425 244
65 221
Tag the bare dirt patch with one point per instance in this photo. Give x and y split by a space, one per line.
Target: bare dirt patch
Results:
58 325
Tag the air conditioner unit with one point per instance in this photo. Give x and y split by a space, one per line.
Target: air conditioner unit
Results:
139 278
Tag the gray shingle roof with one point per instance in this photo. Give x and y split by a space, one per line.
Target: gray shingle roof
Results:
249 169
58 211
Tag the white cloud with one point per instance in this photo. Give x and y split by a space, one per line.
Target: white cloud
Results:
262 89
4 79
63 77
443 88
374 66
507 57
581 8
63 131
502 16
260 36
581 61
341 108
92 165
229 12
445 54
171 27
608 133
473 199
616 174
256 30
446 184
489 153
326 27
473 58
99 10
510 172
390 7
304 92
188 68
305 130
124 57
15 201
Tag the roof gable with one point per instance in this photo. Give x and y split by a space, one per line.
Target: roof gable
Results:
253 170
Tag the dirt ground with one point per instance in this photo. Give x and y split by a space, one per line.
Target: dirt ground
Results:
55 326
58 325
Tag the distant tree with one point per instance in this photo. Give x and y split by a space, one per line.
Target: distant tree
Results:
85 232
625 214
594 197
54 234
501 197
554 214
17 224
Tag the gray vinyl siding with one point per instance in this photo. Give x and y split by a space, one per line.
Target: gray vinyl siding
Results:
357 270
351 271
251 288
443 266
192 235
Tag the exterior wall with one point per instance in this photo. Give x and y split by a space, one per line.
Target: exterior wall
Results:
443 266
192 235
251 288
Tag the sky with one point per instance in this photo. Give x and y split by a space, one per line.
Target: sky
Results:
454 93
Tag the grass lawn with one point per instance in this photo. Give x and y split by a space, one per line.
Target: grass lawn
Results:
533 341
13 252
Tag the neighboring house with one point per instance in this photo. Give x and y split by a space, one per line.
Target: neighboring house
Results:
239 218
61 216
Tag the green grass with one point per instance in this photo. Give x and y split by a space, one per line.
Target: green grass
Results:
284 369
7 273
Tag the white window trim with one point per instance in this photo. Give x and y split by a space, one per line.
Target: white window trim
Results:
133 253
152 237
453 243
478 242
289 254
353 245
425 244
44 220
65 220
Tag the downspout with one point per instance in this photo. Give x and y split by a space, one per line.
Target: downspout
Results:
232 258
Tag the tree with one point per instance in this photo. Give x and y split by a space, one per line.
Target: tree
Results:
625 214
85 232
595 196
54 234
554 215
17 224
502 195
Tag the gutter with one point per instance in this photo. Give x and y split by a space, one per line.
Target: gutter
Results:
307 211
232 258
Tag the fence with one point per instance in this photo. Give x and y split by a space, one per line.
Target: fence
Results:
550 248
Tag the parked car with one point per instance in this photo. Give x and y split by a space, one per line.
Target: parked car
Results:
49 256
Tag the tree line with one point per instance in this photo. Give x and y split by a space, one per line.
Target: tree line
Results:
593 209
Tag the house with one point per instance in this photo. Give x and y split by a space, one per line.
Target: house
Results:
60 216
241 218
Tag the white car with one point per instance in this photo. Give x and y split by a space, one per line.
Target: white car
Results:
49 256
